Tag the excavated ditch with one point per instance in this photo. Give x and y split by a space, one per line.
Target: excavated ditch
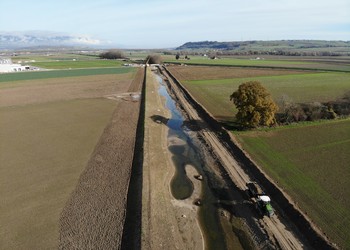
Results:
189 152
285 207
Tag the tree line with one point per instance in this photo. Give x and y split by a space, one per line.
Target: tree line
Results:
256 108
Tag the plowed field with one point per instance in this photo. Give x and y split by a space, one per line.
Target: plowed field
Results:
49 129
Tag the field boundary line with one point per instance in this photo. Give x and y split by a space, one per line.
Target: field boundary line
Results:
259 67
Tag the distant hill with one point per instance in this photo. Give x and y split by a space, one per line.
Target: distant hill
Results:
15 40
282 46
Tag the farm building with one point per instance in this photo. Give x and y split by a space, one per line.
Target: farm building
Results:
7 66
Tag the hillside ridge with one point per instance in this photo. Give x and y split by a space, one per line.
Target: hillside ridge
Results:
276 46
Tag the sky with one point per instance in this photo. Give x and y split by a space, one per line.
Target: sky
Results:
168 24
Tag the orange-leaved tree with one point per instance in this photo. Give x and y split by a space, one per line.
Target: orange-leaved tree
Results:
254 104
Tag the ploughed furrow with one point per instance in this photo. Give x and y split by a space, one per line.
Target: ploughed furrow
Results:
280 234
94 216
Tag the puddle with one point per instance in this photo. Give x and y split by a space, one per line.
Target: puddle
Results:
184 153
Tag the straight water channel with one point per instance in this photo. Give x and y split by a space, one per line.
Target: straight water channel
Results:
181 186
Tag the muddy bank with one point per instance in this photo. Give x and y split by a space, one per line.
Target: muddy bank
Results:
285 206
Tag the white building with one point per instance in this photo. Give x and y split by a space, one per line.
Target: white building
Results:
7 66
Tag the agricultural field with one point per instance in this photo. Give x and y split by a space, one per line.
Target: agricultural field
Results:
297 86
50 57
65 61
22 76
75 64
310 160
311 163
49 127
273 62
44 149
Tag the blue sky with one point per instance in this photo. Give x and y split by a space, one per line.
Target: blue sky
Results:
165 24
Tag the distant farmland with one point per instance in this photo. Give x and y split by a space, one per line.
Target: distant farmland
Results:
273 62
77 64
298 87
62 73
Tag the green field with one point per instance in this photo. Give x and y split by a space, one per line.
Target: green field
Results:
44 149
291 63
77 64
62 73
311 162
315 87
45 57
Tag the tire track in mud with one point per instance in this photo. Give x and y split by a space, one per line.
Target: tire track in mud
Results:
281 232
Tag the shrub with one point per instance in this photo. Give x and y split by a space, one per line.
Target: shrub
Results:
154 59
112 54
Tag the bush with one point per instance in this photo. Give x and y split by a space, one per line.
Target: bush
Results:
298 112
112 54
154 59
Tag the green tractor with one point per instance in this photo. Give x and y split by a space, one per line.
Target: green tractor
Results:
261 200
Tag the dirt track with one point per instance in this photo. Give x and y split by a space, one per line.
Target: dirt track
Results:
280 231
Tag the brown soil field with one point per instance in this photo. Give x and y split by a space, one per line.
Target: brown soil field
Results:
188 73
43 150
94 216
48 131
49 90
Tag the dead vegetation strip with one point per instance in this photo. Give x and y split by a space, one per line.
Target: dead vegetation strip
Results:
94 216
